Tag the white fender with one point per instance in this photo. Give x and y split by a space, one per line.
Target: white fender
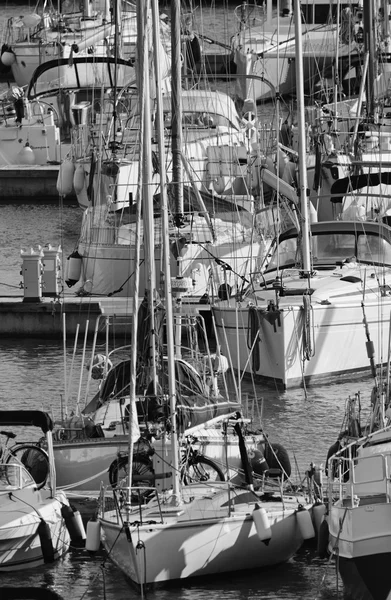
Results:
65 178
79 179
262 525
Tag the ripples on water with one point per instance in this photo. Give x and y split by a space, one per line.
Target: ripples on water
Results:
80 576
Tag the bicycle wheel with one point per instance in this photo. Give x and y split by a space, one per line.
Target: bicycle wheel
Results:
142 474
200 468
34 459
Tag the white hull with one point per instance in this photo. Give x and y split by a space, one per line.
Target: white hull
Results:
359 519
20 545
265 46
339 339
279 73
200 538
366 528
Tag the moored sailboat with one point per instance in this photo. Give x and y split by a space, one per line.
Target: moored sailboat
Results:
180 528
303 315
264 47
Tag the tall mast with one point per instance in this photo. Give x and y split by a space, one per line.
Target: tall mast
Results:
176 109
303 186
166 258
369 46
143 21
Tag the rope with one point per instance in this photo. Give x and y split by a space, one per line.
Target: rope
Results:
307 342
73 485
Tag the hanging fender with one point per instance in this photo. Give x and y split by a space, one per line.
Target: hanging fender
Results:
262 524
72 523
323 539
74 264
305 523
253 337
45 539
78 179
65 178
93 535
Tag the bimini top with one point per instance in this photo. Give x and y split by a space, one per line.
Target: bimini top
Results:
35 418
87 72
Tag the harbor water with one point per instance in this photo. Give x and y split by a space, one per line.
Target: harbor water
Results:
306 422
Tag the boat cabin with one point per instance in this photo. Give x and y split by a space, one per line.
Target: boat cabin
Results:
335 242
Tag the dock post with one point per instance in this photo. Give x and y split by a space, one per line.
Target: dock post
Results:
32 269
51 276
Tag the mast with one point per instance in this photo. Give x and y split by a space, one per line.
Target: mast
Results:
136 293
369 46
176 109
166 259
303 186
145 200
143 23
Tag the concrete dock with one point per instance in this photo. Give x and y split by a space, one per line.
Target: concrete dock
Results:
30 182
56 317
50 317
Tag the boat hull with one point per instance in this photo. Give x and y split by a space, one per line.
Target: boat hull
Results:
362 538
338 340
20 543
179 549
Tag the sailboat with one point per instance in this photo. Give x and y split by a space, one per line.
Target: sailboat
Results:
358 534
308 314
264 47
213 231
355 528
75 30
198 529
97 429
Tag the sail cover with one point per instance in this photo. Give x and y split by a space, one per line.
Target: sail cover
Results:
194 406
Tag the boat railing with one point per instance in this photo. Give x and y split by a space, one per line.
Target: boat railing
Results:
359 479
130 503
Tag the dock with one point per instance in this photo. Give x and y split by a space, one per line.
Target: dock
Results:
30 182
58 317
52 317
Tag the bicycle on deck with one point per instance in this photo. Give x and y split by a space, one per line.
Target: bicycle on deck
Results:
194 468
34 458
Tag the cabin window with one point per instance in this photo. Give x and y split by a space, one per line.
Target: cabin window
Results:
373 249
333 247
199 119
285 255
